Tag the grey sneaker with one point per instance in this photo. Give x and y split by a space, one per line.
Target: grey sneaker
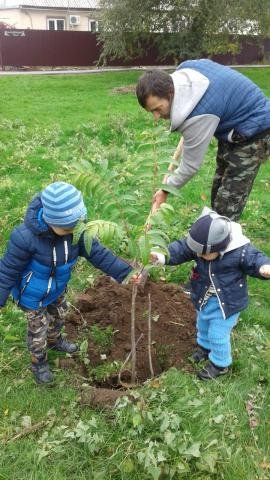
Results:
42 372
211 371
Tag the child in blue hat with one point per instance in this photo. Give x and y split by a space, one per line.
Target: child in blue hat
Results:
224 257
37 266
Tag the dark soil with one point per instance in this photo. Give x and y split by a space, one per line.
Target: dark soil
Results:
124 90
109 304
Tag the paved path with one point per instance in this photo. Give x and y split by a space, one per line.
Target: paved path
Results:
77 71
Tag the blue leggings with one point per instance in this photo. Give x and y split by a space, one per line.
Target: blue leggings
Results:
213 332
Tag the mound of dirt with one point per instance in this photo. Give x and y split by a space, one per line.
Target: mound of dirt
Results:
107 308
124 90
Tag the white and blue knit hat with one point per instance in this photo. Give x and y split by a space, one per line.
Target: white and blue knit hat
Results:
63 205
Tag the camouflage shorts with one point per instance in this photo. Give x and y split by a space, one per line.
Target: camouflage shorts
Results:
237 167
44 327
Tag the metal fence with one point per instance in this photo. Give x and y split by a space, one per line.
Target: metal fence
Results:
35 48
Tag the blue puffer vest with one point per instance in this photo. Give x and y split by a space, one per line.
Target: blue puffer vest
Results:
232 97
37 265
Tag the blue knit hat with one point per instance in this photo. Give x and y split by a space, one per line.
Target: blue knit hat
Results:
62 205
210 233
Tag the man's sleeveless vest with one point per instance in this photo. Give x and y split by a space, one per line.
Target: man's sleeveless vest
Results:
236 100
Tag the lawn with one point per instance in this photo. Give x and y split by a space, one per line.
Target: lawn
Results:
176 427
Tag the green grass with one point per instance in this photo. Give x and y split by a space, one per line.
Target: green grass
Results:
47 124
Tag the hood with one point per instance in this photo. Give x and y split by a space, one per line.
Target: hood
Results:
189 88
33 217
238 239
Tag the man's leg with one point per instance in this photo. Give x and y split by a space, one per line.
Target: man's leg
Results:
57 312
222 155
238 165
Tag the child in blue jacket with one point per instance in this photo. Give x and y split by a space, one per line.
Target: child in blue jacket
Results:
224 257
37 266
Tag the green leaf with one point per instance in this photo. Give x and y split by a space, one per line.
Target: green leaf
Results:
144 249
155 472
159 232
182 467
130 198
193 450
128 465
169 436
11 338
208 462
136 420
218 419
157 240
88 240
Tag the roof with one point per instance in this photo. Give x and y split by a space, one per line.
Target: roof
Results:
63 4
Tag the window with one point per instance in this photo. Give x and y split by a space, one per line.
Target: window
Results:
55 24
93 26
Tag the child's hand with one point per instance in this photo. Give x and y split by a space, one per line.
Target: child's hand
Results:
157 258
153 257
139 278
265 271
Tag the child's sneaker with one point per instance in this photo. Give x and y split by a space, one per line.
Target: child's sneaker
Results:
211 371
63 345
42 373
199 354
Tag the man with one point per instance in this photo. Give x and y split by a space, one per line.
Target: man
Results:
203 99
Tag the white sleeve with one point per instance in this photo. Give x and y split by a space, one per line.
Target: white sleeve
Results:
197 133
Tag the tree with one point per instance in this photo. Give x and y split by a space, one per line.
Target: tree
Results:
179 28
121 211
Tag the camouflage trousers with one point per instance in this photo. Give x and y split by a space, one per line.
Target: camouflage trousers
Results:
237 167
44 328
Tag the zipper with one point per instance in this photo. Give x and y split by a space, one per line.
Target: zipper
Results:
66 251
212 283
50 277
27 281
52 272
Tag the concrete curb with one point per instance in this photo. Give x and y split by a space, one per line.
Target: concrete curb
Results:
106 69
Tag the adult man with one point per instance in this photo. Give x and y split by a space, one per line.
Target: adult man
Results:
203 99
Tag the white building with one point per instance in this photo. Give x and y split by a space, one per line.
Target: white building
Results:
77 15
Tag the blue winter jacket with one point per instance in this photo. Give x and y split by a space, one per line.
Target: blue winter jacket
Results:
226 273
38 263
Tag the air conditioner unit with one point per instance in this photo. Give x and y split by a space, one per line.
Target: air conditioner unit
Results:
74 20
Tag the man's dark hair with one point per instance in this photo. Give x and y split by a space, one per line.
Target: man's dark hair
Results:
156 83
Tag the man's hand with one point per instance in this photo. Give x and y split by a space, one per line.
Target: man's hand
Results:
265 271
159 197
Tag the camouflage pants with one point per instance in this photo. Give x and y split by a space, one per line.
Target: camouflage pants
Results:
237 167
44 328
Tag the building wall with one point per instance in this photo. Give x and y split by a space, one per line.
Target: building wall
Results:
37 19
11 17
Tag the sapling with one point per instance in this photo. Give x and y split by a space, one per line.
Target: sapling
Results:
126 210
